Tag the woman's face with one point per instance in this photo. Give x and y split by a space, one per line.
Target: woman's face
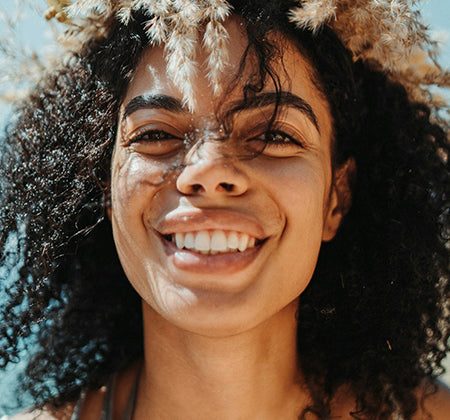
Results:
213 242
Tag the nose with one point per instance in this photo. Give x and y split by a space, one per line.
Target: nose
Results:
209 172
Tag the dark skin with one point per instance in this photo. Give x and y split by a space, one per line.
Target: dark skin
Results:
214 325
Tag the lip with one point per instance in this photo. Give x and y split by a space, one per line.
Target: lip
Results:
219 264
194 220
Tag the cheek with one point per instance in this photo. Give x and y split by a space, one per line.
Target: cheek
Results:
137 190
133 176
302 198
305 201
134 184
299 188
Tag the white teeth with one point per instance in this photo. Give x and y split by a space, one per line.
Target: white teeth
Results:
189 240
233 241
243 242
179 239
218 241
214 242
202 241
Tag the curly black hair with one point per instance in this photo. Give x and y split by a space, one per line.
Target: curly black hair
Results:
374 316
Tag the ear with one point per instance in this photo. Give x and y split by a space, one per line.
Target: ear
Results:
340 198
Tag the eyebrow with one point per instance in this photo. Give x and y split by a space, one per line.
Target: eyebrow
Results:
280 99
150 101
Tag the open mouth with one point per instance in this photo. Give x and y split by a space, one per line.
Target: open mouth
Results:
213 242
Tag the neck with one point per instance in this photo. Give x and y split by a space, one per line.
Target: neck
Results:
253 374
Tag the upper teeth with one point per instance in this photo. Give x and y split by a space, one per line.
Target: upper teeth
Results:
214 241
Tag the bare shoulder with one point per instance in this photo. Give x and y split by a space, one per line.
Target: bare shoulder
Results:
91 403
64 413
31 415
434 397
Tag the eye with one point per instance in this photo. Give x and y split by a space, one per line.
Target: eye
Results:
156 142
279 138
275 143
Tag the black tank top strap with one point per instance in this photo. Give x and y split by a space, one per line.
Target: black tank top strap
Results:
108 400
129 410
76 415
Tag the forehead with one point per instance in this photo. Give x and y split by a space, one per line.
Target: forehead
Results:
294 71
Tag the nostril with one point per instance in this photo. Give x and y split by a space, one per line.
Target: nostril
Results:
227 187
196 188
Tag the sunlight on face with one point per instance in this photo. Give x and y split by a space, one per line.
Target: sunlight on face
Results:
213 241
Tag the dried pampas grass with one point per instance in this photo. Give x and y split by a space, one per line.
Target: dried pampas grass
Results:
179 25
388 32
20 65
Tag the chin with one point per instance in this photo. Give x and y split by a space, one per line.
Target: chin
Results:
208 313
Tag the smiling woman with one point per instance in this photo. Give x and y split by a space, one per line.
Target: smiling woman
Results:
260 204
230 215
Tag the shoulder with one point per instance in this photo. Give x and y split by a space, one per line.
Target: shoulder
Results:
31 415
434 397
91 402
64 413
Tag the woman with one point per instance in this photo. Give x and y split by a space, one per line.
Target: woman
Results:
226 216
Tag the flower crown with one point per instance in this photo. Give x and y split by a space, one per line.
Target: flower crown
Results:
389 32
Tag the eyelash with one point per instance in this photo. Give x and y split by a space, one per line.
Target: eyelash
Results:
160 135
269 137
275 142
157 143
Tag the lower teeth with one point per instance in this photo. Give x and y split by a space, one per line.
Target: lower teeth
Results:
213 252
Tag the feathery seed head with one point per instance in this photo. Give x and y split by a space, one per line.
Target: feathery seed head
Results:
387 31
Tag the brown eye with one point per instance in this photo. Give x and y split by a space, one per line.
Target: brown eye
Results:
152 136
156 143
275 143
279 138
